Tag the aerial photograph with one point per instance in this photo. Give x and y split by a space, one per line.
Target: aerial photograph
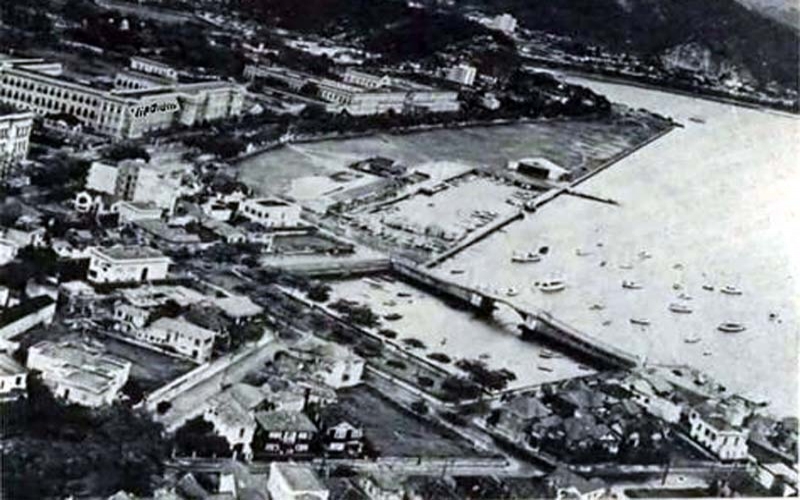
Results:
399 249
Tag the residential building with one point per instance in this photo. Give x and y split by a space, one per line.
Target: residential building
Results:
34 85
271 212
655 401
133 211
331 364
285 433
13 377
15 131
712 429
134 181
463 74
79 373
231 414
179 335
126 265
383 485
341 436
24 316
565 484
8 251
289 481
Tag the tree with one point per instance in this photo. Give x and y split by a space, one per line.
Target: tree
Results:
419 406
197 436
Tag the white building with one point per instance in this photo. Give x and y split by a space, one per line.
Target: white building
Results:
13 377
463 74
8 251
231 414
714 431
290 481
541 168
151 67
33 85
126 264
15 131
271 212
504 22
360 93
134 181
133 211
183 337
79 373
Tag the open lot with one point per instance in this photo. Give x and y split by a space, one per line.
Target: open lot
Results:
304 171
394 432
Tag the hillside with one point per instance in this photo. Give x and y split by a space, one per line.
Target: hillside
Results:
784 11
734 34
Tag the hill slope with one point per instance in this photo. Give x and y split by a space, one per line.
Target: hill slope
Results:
733 33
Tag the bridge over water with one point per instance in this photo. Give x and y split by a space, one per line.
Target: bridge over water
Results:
535 323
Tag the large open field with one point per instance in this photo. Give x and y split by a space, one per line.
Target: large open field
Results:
303 171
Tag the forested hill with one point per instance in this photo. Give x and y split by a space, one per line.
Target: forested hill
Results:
765 48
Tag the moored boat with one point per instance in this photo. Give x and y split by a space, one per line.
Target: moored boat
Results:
730 290
525 257
692 339
512 292
708 288
631 285
551 286
731 327
393 316
457 271
545 368
640 321
680 308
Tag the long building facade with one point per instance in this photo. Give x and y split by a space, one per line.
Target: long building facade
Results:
360 93
34 85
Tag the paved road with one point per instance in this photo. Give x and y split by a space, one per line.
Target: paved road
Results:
192 402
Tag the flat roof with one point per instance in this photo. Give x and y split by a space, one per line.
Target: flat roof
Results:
9 366
300 477
130 253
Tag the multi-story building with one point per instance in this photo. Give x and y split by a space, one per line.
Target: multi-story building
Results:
289 481
180 335
270 212
34 85
360 93
13 377
712 429
126 265
463 74
285 433
79 373
131 180
152 67
504 22
15 131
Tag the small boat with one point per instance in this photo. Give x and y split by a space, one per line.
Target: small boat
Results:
706 353
582 253
696 119
390 303
692 339
708 288
644 255
545 368
685 296
457 271
512 292
731 327
393 316
583 367
631 285
404 294
546 354
607 322
551 286
680 308
597 307
626 266
730 290
640 321
525 257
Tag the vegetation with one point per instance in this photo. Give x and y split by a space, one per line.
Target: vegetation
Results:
197 438
481 374
356 313
52 450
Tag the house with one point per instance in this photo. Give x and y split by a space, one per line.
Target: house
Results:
238 308
270 212
777 477
17 320
181 336
333 365
654 398
520 412
712 429
340 434
13 377
135 211
231 414
565 484
382 485
285 433
8 251
79 373
289 481
126 264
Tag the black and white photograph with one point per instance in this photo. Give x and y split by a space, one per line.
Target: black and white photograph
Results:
399 249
